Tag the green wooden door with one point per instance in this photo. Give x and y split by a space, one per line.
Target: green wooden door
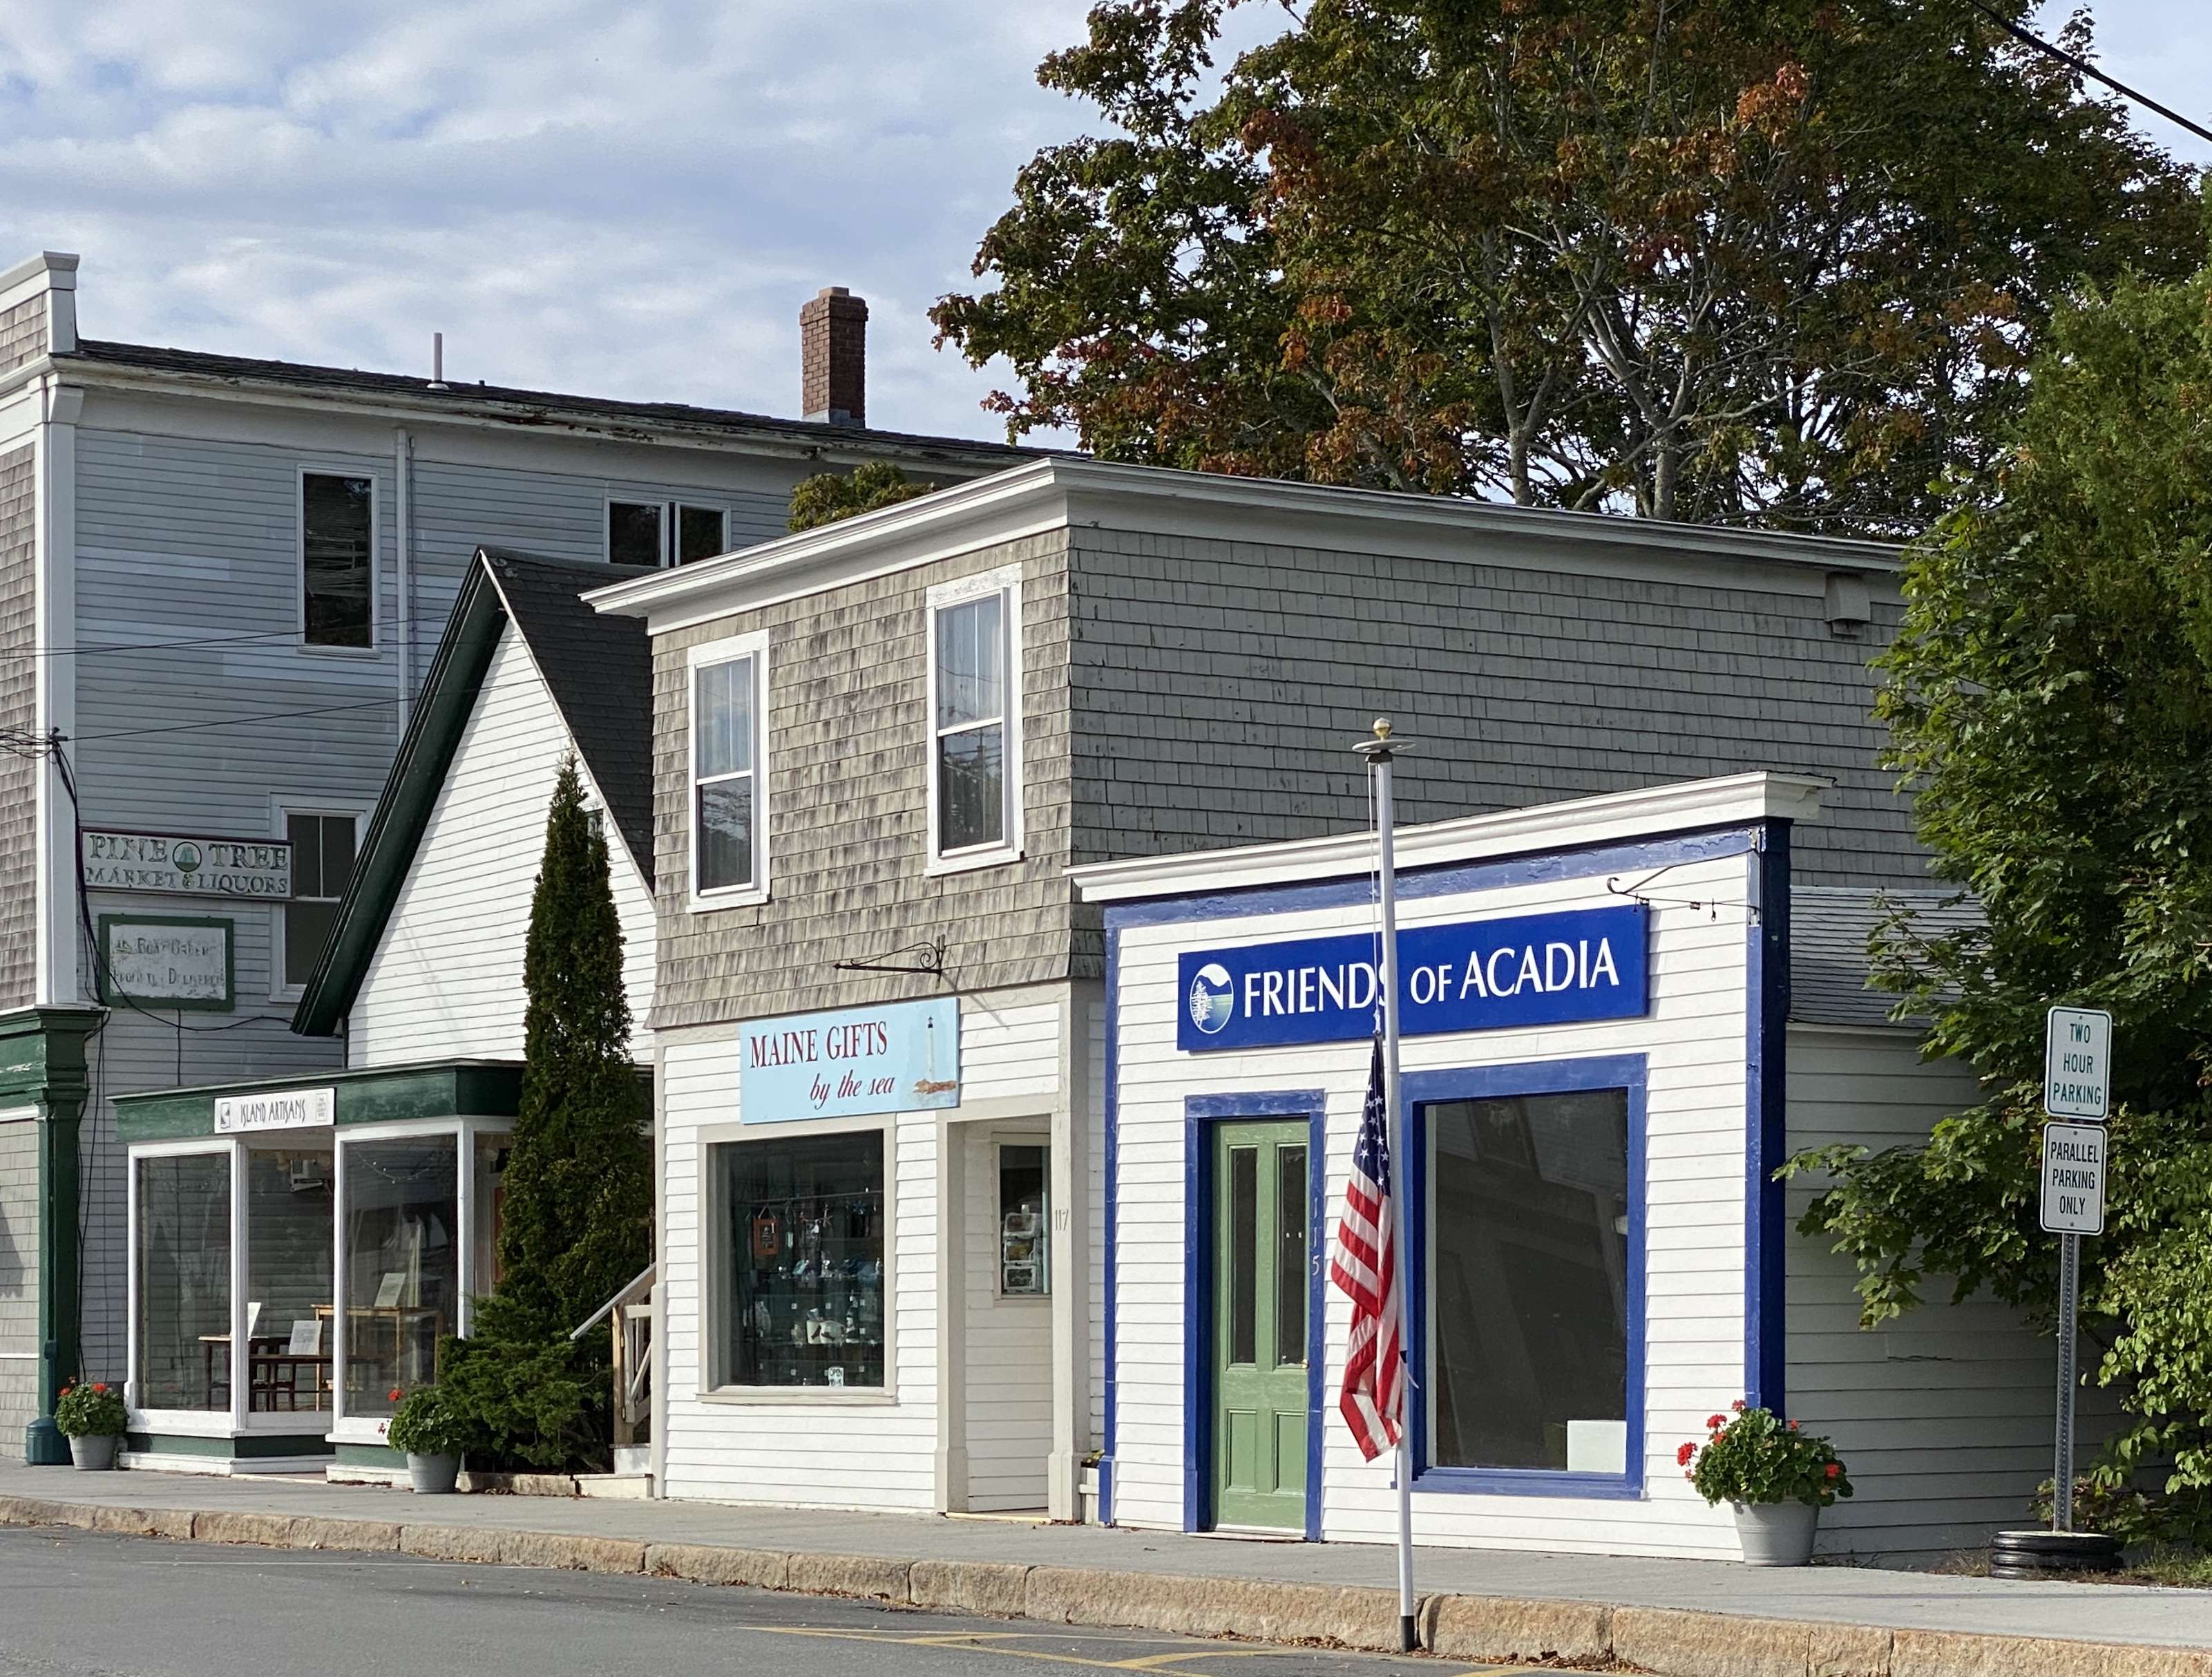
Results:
1261 1248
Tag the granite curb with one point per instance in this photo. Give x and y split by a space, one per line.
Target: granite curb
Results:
1665 1641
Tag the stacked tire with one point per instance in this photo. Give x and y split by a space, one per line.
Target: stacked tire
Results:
2052 1555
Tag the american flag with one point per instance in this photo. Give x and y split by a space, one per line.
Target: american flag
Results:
1365 1268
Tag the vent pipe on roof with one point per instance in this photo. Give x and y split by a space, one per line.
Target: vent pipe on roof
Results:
437 361
833 344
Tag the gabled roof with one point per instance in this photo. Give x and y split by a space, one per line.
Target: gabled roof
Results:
1829 929
599 671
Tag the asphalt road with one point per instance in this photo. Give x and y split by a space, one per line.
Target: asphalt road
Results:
73 1604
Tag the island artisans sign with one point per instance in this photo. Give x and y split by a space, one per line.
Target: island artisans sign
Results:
277 1109
901 1057
187 866
1485 975
166 961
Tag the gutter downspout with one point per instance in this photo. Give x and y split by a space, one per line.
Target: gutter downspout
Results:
402 472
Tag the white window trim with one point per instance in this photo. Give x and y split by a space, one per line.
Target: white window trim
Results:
375 647
671 506
279 808
1006 581
754 646
714 1260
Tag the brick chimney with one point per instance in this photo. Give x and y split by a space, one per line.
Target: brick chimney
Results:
833 339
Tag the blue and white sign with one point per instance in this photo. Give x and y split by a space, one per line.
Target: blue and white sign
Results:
1487 975
902 1057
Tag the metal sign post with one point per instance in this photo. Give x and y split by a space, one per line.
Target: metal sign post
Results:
2076 1083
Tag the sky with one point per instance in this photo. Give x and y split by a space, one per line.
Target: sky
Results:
618 199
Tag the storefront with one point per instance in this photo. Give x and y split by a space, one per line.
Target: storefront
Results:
1595 998
297 1253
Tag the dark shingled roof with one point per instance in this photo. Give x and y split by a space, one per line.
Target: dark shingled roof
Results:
1829 925
524 406
599 671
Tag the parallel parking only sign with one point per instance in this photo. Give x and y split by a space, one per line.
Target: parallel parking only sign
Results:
2074 1179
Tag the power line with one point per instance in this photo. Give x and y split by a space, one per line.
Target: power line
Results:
2086 68
153 646
227 721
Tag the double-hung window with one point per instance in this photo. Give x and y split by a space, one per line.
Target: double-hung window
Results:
323 846
338 560
664 532
974 720
729 801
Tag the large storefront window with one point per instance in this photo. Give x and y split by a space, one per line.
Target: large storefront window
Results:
183 1281
402 1257
488 1211
1528 1267
288 1278
806 1262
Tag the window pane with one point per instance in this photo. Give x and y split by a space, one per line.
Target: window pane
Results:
337 855
308 928
1024 1229
1244 1235
488 1211
335 549
971 788
726 833
633 533
1290 1256
698 533
184 1282
401 1230
971 662
1529 1265
722 712
806 1262
305 833
287 1276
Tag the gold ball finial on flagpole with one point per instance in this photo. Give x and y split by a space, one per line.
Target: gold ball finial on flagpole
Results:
1382 727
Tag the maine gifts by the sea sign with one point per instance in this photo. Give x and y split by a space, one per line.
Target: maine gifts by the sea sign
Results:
1589 964
902 1057
187 865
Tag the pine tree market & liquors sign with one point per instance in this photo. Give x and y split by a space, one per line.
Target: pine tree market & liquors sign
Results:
183 865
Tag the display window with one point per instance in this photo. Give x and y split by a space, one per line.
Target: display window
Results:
287 1276
401 1229
183 1264
804 1281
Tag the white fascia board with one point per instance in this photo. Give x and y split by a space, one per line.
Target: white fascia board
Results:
1085 493
1612 817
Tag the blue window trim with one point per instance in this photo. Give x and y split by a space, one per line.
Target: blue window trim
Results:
1199 1112
1766 1144
1769 1002
1547 1077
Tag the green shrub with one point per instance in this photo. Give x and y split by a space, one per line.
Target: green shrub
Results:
1754 1456
90 1412
426 1423
519 1405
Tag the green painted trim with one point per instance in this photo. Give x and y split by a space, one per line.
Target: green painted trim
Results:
369 1455
389 1095
402 811
246 1447
179 1004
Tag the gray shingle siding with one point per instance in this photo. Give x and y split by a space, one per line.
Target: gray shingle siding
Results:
19 524
22 333
848 816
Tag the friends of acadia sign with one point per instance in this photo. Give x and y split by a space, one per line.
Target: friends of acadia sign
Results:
1487 975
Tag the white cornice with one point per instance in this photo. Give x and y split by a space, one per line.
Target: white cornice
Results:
1613 817
1085 493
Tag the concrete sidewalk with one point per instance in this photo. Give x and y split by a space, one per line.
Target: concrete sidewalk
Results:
1683 1618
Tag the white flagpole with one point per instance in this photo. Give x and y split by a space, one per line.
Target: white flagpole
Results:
1378 752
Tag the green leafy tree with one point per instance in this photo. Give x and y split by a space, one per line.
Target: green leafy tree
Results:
576 1222
2049 700
829 495
1773 260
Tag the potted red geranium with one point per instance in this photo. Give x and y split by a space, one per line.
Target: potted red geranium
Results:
1776 1477
92 1418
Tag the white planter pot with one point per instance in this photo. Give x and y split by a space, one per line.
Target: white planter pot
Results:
96 1451
432 1475
1776 1533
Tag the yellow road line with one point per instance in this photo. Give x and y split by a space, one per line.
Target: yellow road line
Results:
1160 1662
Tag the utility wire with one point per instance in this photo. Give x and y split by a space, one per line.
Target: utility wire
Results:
292 635
2084 67
196 728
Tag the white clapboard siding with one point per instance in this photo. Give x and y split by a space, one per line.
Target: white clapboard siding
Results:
1094 1024
446 982
1944 1415
759 1448
1693 1040
1008 1347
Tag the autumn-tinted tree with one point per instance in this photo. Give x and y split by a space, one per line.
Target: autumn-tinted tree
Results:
2051 698
828 496
1773 260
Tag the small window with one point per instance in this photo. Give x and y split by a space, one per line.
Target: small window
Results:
633 533
336 560
1024 1220
699 533
322 866
972 787
804 1292
724 779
